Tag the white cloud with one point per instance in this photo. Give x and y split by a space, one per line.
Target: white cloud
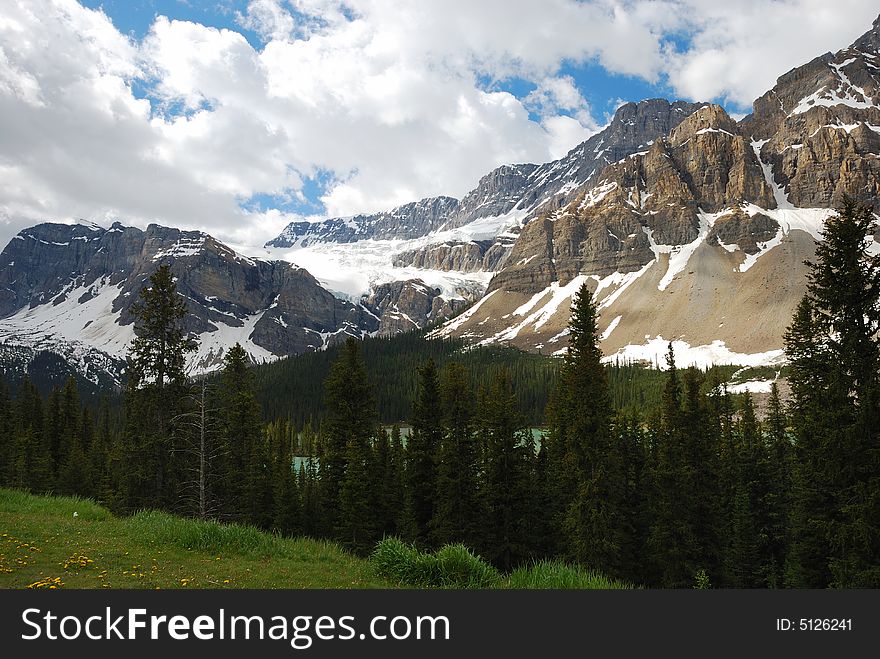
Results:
268 18
740 47
387 101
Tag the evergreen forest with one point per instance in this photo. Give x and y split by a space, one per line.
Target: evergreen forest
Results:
657 478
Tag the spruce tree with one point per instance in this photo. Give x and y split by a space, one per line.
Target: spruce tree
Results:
307 484
683 539
32 461
456 513
249 467
835 377
73 471
155 389
101 457
287 518
508 457
349 428
780 492
749 556
421 451
588 460
7 439
396 485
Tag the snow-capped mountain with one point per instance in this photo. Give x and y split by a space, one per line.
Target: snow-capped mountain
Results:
691 227
69 289
453 247
701 239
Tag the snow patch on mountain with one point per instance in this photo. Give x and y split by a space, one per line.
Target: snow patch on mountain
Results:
845 93
654 352
214 344
462 318
611 327
554 294
79 314
779 194
752 386
808 220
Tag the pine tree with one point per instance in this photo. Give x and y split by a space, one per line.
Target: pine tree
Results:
249 493
359 525
421 450
684 535
456 513
307 484
835 376
287 517
101 456
154 393
73 469
507 463
388 481
750 560
588 460
780 492
397 479
32 461
54 429
635 497
345 468
7 439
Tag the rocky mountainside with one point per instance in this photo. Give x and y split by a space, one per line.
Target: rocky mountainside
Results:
701 239
509 187
70 288
412 220
451 247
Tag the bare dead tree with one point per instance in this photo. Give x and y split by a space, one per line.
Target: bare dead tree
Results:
198 434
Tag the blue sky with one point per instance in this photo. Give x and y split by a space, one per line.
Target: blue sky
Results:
240 116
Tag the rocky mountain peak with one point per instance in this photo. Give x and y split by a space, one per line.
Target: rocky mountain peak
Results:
818 130
709 118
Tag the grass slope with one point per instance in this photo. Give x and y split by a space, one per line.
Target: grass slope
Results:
68 542
41 542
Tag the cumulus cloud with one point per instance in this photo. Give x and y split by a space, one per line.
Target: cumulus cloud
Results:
382 103
740 47
268 18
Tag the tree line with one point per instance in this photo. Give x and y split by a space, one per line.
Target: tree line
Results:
695 491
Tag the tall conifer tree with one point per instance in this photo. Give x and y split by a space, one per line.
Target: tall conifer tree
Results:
835 377
457 514
588 460
155 389
421 451
349 429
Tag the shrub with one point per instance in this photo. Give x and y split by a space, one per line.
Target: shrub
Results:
452 566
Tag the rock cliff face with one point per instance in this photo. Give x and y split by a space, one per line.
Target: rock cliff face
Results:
71 287
407 305
471 256
701 237
818 129
652 198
